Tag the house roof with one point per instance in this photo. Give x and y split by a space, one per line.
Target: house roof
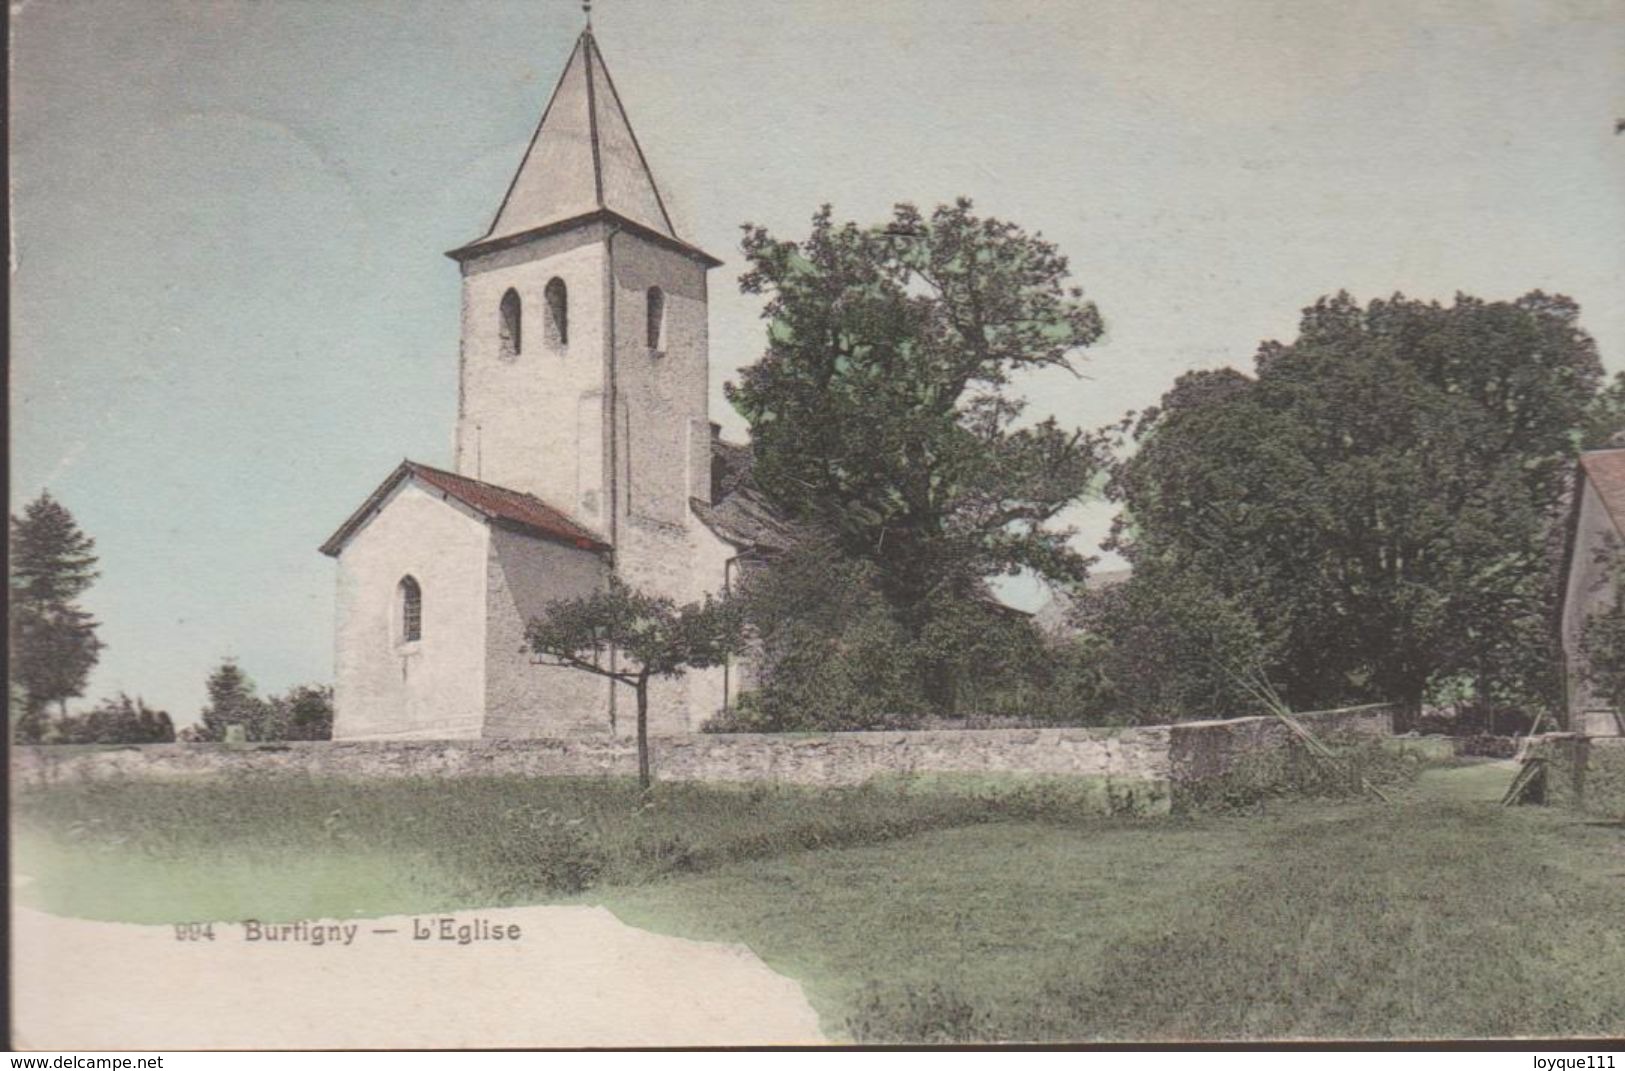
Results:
583 163
498 505
1605 471
741 515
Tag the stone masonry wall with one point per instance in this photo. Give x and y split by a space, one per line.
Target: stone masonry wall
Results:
1144 765
1202 749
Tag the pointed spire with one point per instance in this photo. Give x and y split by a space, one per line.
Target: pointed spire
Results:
583 158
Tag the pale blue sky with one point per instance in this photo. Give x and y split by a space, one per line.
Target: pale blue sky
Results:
231 317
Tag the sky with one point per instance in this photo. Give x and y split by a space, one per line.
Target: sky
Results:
231 317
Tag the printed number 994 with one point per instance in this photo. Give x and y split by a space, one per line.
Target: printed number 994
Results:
194 931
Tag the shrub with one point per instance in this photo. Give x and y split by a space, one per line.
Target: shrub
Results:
1161 640
828 651
831 654
113 721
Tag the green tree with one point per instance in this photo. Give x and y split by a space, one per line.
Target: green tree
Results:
1165 645
882 411
53 640
827 651
116 721
1379 496
630 638
305 712
1605 419
232 702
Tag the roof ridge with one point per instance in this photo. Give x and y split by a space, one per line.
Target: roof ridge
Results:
530 146
476 480
615 95
494 502
589 46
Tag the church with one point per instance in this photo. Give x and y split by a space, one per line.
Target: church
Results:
584 448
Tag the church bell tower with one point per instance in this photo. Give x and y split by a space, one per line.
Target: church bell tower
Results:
583 452
583 376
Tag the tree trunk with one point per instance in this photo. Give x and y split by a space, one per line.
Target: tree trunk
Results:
643 730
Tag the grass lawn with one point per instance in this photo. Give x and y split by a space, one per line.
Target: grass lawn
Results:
282 850
936 916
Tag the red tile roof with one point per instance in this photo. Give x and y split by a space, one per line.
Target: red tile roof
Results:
1605 470
514 509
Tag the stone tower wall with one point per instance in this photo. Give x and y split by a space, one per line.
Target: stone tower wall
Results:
534 422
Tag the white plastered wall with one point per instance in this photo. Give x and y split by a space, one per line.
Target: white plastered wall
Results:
524 699
533 422
387 688
662 393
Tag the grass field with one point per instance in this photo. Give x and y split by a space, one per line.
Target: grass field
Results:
935 915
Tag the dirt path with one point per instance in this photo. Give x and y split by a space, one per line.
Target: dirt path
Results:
577 976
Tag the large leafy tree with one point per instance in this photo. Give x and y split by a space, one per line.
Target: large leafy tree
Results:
1379 495
881 411
52 639
631 638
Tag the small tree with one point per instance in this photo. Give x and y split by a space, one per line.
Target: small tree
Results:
630 638
231 702
53 641
304 713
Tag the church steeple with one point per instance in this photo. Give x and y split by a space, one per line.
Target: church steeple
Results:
583 375
583 161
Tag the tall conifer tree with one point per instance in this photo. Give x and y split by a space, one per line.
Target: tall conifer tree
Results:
52 639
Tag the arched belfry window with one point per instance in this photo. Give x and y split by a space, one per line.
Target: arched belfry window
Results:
512 325
411 610
657 320
558 313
